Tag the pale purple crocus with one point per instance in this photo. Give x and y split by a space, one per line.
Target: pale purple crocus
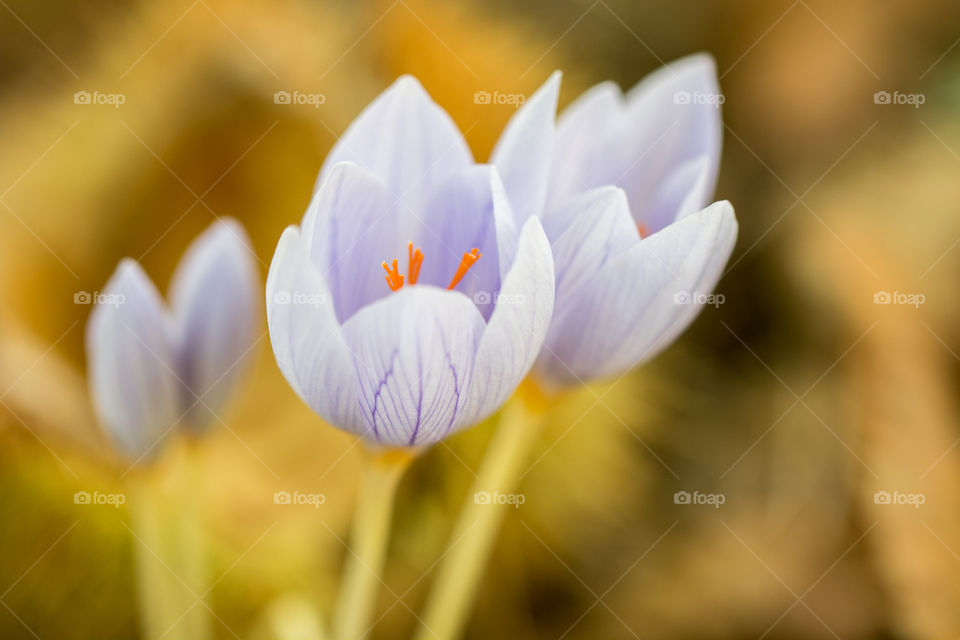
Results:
408 304
154 367
637 254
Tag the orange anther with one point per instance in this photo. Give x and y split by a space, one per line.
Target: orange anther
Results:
466 262
642 228
393 277
415 259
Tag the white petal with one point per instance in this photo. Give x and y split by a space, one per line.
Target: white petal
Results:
591 148
131 362
525 148
683 192
598 226
215 295
469 210
404 138
640 301
414 356
517 328
675 117
306 337
352 226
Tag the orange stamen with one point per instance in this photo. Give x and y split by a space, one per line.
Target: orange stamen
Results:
642 228
466 262
415 259
393 277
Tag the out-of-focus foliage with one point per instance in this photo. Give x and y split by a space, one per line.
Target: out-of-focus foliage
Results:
797 399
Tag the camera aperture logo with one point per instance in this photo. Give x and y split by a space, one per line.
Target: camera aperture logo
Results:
899 498
97 498
898 297
698 498
513 99
296 498
486 497
111 299
297 97
99 98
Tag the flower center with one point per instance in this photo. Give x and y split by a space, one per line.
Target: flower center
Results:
644 231
415 261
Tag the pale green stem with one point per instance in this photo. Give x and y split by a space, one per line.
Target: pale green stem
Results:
368 544
158 592
454 588
170 559
191 552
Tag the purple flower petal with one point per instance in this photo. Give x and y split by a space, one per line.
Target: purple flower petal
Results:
523 152
215 298
306 336
406 140
638 141
353 225
640 300
131 362
469 210
585 235
516 330
413 359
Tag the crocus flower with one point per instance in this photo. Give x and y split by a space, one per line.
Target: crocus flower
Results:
153 367
406 356
636 252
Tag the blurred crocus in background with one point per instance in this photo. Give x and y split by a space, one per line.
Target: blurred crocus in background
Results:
158 371
405 357
154 367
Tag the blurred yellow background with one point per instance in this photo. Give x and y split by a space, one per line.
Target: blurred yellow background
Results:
798 399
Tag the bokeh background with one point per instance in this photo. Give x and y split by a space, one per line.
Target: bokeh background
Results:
796 400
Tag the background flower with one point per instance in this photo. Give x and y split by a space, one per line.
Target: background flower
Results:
153 368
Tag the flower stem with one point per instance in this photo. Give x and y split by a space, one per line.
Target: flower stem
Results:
191 552
157 589
169 553
458 577
368 545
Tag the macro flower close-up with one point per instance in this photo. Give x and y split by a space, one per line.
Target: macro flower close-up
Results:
459 320
406 359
